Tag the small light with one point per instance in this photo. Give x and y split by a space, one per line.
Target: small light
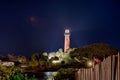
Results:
67 31
90 63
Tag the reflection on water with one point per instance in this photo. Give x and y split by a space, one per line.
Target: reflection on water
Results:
40 75
47 75
50 75
44 75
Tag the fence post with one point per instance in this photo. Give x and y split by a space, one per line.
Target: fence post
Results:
113 64
118 66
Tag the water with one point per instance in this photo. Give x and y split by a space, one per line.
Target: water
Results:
43 75
40 75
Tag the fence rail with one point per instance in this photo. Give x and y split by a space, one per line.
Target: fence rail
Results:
108 69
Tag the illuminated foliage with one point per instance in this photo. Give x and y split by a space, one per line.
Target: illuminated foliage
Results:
6 72
13 73
38 59
21 76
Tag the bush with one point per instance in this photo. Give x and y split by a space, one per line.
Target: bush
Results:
21 76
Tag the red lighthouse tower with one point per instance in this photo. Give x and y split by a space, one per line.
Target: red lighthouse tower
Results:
66 40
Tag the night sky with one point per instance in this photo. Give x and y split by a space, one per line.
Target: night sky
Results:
38 26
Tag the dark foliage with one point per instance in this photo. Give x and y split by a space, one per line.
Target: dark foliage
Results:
98 50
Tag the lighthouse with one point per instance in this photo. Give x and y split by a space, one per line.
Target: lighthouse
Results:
66 40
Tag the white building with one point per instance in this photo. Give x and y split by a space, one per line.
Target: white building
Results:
6 63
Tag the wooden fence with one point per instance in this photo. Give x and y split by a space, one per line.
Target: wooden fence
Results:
108 69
